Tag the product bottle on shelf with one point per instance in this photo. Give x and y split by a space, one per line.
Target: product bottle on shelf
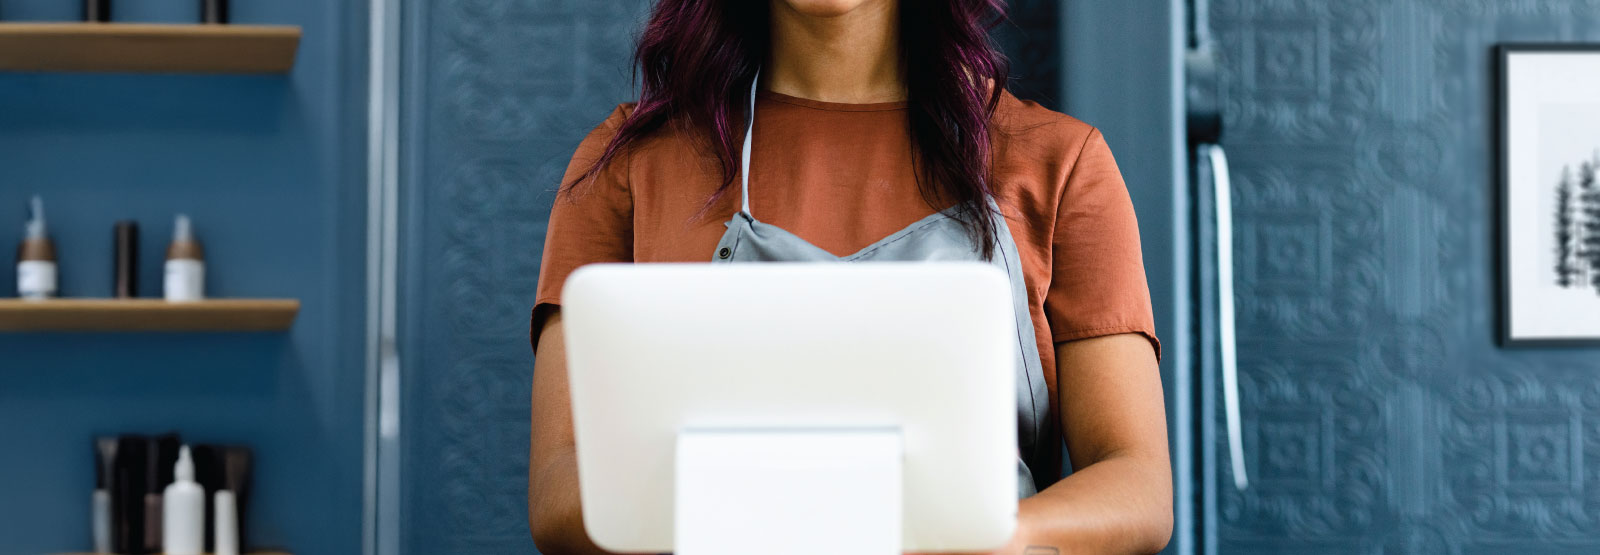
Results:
36 258
214 11
97 11
186 267
225 523
183 521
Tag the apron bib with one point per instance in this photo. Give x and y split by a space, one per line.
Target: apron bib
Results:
938 237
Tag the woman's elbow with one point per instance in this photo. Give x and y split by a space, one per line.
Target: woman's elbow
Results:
544 539
548 524
1156 531
548 533
540 532
1152 528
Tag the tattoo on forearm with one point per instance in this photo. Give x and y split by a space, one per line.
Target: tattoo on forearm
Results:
1041 550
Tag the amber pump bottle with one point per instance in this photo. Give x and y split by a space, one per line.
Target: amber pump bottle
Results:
36 258
185 274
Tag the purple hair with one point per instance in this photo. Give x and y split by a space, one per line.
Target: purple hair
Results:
697 58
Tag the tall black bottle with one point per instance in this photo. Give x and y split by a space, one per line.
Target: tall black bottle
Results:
97 10
214 11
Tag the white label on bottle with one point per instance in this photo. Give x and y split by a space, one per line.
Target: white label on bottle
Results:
36 279
185 280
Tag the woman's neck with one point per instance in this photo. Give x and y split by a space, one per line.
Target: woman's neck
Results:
852 57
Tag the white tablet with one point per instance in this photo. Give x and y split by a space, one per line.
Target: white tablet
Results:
924 349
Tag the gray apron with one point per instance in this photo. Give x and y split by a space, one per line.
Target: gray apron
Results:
940 236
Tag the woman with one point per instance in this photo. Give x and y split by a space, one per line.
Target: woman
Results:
870 125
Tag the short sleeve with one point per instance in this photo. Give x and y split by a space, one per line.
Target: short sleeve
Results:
591 222
1097 283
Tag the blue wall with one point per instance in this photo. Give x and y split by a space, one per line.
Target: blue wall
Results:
1379 414
272 170
497 96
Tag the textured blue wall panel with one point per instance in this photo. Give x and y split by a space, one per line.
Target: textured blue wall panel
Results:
497 96
272 170
1380 417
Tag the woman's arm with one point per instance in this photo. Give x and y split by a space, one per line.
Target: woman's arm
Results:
555 513
1119 497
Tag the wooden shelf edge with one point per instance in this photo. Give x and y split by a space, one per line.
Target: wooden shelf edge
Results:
148 48
76 28
147 315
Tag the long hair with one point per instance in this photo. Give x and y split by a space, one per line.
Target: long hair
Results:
698 57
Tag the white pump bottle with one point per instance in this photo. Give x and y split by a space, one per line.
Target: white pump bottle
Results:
186 267
183 519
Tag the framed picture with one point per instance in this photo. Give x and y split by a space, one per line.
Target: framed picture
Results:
1549 194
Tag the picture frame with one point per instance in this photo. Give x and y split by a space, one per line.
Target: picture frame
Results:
1548 201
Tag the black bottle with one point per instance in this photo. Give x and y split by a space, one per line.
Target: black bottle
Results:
213 11
125 279
97 10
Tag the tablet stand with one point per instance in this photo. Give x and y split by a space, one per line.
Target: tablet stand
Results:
787 492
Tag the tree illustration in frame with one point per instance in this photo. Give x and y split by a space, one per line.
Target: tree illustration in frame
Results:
1589 183
1569 266
1577 226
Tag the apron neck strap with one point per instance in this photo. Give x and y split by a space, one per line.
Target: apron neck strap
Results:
744 155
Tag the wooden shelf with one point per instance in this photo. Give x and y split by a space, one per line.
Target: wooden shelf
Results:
147 315
146 48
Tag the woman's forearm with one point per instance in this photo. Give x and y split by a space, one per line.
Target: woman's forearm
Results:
555 512
1122 504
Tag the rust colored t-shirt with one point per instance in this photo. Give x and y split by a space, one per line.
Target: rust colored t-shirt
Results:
841 177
